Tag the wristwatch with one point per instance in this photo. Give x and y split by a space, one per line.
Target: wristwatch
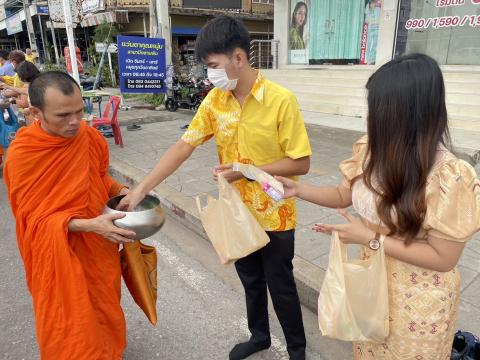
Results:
374 244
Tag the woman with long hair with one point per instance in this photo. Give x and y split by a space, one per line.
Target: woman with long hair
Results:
406 185
299 20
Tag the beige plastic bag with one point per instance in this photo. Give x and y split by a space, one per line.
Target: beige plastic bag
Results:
232 229
353 301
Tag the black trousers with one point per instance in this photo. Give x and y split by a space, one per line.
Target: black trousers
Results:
272 267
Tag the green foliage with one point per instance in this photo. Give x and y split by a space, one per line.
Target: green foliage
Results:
153 99
49 66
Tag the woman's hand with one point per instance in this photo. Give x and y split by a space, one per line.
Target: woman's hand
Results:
353 232
290 187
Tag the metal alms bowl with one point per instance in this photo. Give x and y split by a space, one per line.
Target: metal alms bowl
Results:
147 218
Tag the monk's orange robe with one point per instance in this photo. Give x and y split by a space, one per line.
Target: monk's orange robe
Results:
74 278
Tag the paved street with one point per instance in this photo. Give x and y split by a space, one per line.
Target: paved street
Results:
200 307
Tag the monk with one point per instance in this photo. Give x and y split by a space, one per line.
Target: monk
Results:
56 172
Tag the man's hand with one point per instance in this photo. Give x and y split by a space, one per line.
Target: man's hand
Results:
227 173
103 225
131 200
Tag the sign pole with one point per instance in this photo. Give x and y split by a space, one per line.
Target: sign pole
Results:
30 31
71 42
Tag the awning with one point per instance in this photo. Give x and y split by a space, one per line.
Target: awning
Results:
184 30
119 17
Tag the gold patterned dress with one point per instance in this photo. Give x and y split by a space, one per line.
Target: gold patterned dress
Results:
423 303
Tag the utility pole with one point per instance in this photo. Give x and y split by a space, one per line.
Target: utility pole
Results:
160 25
71 42
31 32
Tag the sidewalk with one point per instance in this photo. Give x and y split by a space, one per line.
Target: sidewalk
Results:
143 148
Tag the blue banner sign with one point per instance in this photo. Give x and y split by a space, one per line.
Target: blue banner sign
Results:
42 10
142 64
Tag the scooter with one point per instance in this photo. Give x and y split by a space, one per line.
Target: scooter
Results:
187 94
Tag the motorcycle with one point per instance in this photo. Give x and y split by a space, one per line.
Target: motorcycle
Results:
187 94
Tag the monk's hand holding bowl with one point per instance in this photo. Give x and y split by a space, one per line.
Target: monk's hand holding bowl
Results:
103 226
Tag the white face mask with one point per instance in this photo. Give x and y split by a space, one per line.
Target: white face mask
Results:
219 79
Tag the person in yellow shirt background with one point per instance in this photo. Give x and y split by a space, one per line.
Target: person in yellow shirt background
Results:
16 57
31 56
258 122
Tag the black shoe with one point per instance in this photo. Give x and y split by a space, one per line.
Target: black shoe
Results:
133 127
246 349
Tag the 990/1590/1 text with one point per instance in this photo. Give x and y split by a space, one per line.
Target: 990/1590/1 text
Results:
444 21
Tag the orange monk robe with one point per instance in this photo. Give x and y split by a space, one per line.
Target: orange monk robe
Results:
74 278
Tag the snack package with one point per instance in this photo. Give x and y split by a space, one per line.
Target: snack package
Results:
270 185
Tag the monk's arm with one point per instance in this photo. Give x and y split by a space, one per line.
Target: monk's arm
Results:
102 225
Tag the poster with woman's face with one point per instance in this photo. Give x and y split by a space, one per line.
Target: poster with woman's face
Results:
298 31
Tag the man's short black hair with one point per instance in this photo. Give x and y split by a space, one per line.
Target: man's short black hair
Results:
4 54
222 35
56 79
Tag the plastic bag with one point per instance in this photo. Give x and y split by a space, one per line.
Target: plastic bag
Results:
353 300
230 226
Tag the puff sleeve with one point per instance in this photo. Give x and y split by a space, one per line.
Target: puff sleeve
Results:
453 202
353 167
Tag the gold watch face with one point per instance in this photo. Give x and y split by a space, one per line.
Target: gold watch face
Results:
374 244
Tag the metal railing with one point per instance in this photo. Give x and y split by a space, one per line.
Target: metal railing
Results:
264 54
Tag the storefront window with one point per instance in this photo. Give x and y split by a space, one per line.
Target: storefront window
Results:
447 30
334 31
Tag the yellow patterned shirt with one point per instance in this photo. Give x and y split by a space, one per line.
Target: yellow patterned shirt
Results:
267 129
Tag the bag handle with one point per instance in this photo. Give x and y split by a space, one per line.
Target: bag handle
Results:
199 205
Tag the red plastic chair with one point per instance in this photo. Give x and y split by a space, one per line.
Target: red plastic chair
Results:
112 107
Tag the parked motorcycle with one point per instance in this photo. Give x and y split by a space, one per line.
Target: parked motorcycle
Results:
187 94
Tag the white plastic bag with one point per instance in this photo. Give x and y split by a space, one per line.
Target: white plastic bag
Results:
230 226
353 300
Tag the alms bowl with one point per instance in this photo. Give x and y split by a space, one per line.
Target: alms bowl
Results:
146 219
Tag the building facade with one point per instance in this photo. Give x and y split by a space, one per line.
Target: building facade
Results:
369 32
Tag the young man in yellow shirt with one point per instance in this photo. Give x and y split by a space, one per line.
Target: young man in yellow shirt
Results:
254 121
16 57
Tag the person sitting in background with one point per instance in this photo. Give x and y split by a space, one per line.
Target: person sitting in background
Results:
6 67
30 56
16 57
27 72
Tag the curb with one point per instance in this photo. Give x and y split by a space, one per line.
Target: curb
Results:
183 208
161 117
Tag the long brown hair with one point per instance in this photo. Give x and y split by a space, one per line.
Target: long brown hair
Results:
407 121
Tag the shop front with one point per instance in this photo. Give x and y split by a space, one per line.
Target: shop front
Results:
372 32
333 31
447 30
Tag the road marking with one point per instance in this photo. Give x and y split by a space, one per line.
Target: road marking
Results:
196 281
